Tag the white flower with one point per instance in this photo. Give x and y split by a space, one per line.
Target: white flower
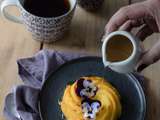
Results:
90 108
89 89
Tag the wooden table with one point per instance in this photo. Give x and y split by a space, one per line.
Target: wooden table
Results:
84 36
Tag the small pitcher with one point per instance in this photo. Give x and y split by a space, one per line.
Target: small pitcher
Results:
122 66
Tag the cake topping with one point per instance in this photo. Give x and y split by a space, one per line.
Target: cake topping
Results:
90 108
86 88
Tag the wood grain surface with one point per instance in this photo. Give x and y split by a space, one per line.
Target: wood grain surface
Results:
84 36
87 28
15 43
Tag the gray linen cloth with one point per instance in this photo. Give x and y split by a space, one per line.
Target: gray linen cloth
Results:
22 103
33 72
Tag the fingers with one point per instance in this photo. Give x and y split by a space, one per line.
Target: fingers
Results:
152 24
128 25
149 57
132 12
144 32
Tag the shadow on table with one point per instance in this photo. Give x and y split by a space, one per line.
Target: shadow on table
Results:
153 101
108 8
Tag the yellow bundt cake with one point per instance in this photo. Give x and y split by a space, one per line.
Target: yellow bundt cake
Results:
91 98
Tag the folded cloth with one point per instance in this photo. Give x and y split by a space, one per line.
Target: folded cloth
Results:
33 71
22 103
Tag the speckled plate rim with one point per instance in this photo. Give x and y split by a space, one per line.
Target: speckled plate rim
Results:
130 75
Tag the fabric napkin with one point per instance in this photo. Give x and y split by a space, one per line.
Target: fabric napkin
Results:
33 72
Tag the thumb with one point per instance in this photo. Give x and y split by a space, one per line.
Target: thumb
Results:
149 57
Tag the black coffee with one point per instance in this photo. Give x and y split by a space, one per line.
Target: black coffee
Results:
47 8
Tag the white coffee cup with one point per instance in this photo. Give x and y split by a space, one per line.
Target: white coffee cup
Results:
127 65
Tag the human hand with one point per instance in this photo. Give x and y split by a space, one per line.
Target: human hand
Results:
145 14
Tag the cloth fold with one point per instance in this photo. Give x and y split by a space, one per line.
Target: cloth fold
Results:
33 71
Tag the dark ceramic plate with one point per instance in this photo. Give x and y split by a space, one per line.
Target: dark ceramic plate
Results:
132 96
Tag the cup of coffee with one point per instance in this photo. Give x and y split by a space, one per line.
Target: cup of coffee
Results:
121 51
47 20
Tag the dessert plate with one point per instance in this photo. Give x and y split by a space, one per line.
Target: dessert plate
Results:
132 95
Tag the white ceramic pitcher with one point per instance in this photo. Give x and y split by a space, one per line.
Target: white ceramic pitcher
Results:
127 65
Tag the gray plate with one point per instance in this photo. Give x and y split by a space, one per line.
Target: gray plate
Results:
132 96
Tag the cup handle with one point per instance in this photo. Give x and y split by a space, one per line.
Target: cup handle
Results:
5 14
